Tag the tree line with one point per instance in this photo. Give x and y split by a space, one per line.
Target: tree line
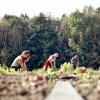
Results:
44 35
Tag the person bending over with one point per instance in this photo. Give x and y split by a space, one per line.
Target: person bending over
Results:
50 62
20 61
75 62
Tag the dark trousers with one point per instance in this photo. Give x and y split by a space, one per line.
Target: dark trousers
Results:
16 68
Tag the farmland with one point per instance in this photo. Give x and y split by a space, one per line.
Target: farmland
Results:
36 85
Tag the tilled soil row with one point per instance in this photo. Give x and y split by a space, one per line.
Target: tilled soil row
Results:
24 87
27 86
88 88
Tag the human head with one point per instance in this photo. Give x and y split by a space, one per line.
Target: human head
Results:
25 54
56 55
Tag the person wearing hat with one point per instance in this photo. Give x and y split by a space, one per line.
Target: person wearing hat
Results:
20 61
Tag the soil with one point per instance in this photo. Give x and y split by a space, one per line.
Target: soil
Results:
27 86
88 88
24 87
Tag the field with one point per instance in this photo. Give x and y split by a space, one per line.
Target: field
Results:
89 87
36 85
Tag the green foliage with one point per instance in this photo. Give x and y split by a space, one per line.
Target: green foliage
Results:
8 71
4 54
51 73
43 35
42 39
66 68
40 72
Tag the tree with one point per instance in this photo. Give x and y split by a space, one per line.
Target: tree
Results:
42 39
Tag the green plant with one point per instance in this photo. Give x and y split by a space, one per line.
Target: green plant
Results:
8 71
66 68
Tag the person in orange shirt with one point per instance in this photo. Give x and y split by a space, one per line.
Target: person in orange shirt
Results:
50 62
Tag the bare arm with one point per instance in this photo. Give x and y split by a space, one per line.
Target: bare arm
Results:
28 59
72 59
54 61
22 64
25 67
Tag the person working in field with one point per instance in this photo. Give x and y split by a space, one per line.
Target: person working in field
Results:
75 62
50 62
20 61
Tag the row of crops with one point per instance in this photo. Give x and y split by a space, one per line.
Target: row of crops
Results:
37 84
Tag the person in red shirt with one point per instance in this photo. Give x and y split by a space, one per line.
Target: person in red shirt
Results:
50 62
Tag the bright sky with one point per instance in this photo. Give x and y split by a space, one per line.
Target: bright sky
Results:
55 8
